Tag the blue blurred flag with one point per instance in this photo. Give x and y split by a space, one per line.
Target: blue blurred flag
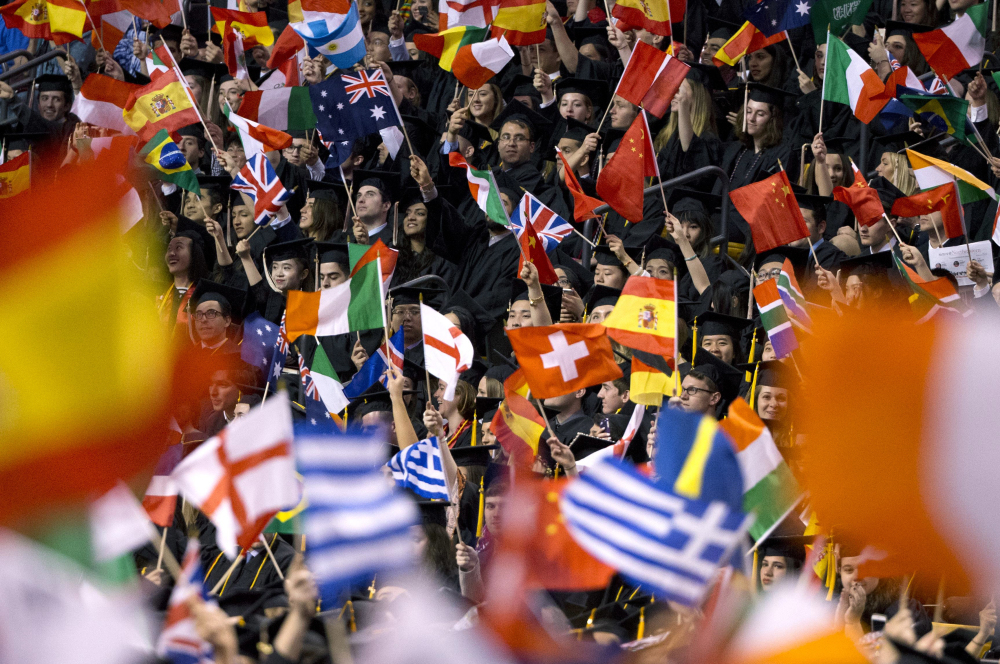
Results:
260 336
373 368
774 16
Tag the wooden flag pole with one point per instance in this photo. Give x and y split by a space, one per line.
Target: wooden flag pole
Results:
893 228
677 350
163 544
541 408
746 96
395 224
939 607
229 572
792 49
93 27
270 554
750 306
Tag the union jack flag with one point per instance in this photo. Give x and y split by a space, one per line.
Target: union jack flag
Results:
277 358
258 180
366 85
549 226
308 384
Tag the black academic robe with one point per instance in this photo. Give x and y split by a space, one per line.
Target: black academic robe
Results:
714 266
295 179
567 431
705 150
634 235
406 269
745 166
268 303
525 178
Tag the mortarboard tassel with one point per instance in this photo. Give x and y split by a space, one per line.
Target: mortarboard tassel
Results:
590 619
753 389
482 506
831 571
555 474
474 422
753 573
642 623
753 353
694 341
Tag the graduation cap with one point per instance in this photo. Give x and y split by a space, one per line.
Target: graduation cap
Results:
433 291
579 277
881 260
604 255
170 32
690 200
583 445
25 140
725 376
611 138
475 455
789 546
541 126
520 86
214 181
207 70
551 293
838 145
416 28
576 130
601 295
595 90
500 372
796 255
708 75
899 141
660 248
194 131
54 83
231 300
775 373
888 193
421 133
765 94
434 512
323 190
481 319
719 29
813 202
905 29
586 34
487 405
405 67
387 182
285 251
477 134
332 252
711 323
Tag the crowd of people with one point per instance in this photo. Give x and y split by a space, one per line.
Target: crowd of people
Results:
216 269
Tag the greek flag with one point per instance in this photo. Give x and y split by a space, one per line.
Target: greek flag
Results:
653 538
337 37
356 523
419 468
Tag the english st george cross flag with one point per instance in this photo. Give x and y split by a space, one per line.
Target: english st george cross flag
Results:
352 106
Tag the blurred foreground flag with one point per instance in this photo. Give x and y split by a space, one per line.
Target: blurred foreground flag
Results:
901 458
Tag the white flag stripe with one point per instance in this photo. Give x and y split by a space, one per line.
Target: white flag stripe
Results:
333 303
320 451
328 526
349 561
447 352
963 33
759 459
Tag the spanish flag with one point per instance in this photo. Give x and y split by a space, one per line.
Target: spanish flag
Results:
15 175
444 45
652 15
61 21
645 316
518 428
521 22
251 26
92 406
169 162
746 40
163 104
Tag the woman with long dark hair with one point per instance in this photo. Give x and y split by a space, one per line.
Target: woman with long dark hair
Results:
690 139
415 258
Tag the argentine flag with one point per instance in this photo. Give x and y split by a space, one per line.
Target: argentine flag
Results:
338 37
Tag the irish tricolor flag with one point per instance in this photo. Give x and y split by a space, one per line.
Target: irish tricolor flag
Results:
484 189
850 81
958 45
475 64
931 172
284 108
770 489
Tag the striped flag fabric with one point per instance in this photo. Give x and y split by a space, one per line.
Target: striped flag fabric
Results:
157 62
15 175
549 226
302 10
522 22
179 640
356 524
931 172
645 316
792 297
445 45
256 137
746 40
931 297
651 78
251 26
652 537
337 37
318 418
61 21
474 13
351 306
774 318
160 500
102 100
362 256
418 467
475 64
651 378
234 55
325 381
770 489
517 426
958 45
483 188
850 81
258 180
284 109
118 524
165 103
652 16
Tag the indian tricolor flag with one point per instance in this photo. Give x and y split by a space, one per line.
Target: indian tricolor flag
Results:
484 190
958 45
101 101
775 319
351 306
850 81
931 172
770 489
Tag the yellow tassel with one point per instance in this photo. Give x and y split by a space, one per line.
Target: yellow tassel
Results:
642 624
590 620
831 571
753 389
694 341
753 573
353 625
474 422
482 508
555 473
753 352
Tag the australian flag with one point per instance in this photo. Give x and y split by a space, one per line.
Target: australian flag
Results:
774 16
318 419
354 105
260 336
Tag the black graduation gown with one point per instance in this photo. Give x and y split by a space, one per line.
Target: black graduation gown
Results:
527 178
255 573
269 304
294 179
714 266
566 431
439 266
705 150
744 166
634 235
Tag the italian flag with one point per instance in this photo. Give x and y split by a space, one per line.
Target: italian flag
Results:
770 489
156 62
445 45
286 108
474 65
958 45
484 189
351 306
257 138
327 382
850 81
931 172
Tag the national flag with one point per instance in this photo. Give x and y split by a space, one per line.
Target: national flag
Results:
957 46
945 113
234 55
258 180
361 255
931 172
445 45
351 306
447 352
159 12
15 175
483 188
774 318
418 467
475 64
352 106
695 459
521 22
863 201
943 199
118 525
101 102
322 381
169 163
654 17
337 37
559 359
533 248
251 26
652 537
474 13
257 138
894 117
850 81
835 16
160 500
285 75
374 368
110 423
776 16
651 379
746 40
356 524
163 104
245 475
769 206
260 336
279 353
645 316
651 79
61 21
284 109
157 62
791 296
179 640
549 226
583 205
303 10
517 425
901 76
621 181
110 29
770 488
930 297
668 80
287 54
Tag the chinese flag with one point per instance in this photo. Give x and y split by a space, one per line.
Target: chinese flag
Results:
622 180
559 359
769 206
534 249
583 205
943 199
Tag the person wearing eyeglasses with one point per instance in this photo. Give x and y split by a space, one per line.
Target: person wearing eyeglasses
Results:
214 315
699 394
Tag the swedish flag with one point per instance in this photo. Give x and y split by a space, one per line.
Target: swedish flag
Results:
169 162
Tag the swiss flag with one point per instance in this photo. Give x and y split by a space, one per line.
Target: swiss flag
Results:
559 359
534 249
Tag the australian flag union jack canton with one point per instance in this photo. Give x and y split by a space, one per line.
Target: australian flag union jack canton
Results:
352 106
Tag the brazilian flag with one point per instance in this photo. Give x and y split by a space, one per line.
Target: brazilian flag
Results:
945 113
169 162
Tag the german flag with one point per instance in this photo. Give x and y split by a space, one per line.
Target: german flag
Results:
163 104
652 379
521 22
251 26
61 21
746 40
15 175
645 316
518 428
91 406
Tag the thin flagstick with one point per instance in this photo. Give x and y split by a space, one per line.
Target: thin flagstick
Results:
163 545
746 93
541 409
893 228
93 27
232 568
270 554
937 231
750 306
395 224
606 111
822 93
350 196
211 90
939 607
677 350
584 238
792 49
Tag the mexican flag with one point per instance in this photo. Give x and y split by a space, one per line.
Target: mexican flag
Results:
327 382
958 45
257 138
850 81
770 489
484 189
